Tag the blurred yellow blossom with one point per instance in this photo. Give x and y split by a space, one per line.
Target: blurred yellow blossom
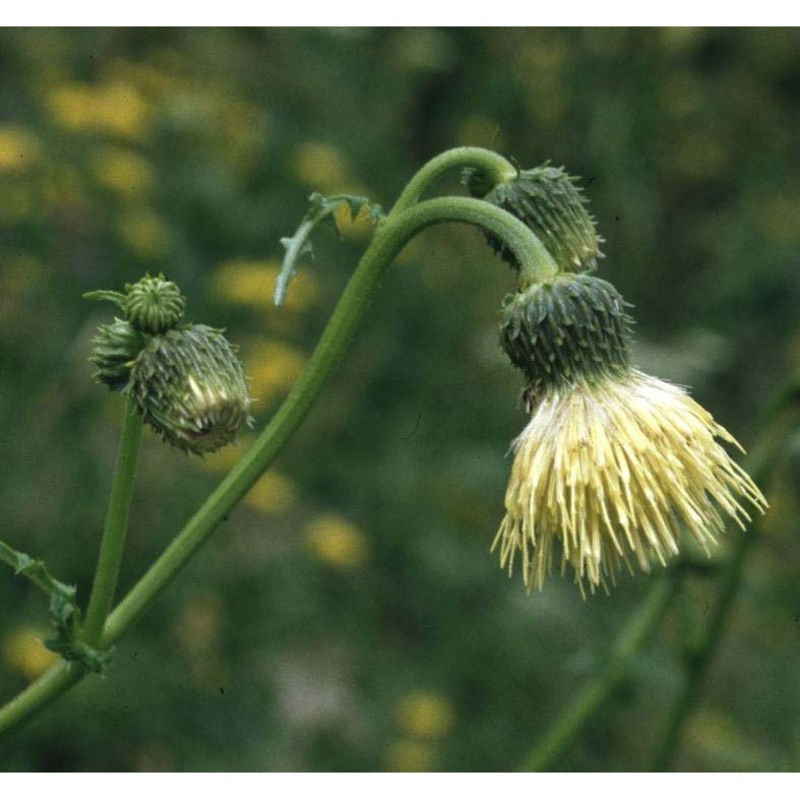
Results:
144 232
123 171
118 108
24 652
252 283
271 368
425 714
337 542
274 493
410 755
359 228
321 166
19 149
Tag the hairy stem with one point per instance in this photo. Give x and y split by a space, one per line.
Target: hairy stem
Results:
43 691
116 526
568 726
494 166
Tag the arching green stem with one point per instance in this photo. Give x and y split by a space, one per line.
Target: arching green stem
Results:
490 165
390 238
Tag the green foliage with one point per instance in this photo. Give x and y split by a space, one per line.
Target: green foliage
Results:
359 574
320 211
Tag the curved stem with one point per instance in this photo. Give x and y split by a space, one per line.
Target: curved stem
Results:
496 168
116 526
594 693
389 240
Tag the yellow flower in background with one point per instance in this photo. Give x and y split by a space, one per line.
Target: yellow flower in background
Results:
425 714
271 368
124 172
252 283
118 108
274 494
359 228
337 542
410 755
144 232
24 652
19 149
321 166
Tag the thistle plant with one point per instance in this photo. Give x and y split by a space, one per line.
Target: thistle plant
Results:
612 468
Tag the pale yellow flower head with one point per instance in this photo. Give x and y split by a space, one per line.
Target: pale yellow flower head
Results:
614 464
607 473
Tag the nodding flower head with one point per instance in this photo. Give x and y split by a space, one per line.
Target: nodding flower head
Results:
614 463
189 386
153 304
550 203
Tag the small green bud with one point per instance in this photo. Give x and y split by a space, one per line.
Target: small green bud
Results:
189 387
571 327
550 203
153 305
114 350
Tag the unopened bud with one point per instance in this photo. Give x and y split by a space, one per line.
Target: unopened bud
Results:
189 386
550 203
153 305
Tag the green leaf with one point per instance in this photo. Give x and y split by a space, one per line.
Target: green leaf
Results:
65 615
104 294
320 211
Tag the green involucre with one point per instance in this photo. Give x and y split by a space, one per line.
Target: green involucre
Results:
189 387
114 349
570 327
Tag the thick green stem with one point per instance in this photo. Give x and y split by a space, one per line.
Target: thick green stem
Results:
43 691
589 699
494 167
113 542
389 240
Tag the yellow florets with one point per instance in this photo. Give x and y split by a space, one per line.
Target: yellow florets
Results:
608 471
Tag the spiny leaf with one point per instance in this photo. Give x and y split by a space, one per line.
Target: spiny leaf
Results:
320 211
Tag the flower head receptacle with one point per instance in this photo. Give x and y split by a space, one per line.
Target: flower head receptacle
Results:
614 463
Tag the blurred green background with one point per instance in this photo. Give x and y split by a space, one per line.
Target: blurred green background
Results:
348 616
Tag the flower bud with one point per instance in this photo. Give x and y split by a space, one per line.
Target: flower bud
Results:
153 305
190 388
114 350
572 326
547 200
